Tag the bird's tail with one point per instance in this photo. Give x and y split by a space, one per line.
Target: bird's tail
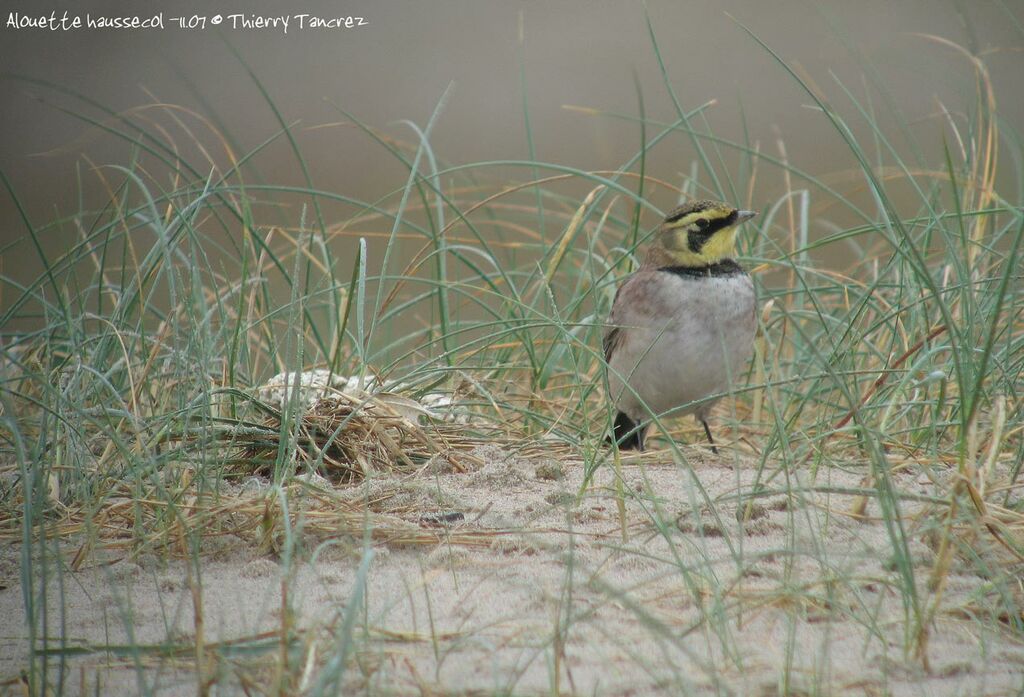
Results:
628 433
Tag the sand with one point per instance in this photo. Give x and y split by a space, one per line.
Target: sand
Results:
800 598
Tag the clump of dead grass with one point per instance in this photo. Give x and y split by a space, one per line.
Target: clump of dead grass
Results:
347 438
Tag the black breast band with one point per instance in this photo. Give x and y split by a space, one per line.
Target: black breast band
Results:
726 267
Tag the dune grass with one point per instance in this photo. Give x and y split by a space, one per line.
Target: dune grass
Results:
892 347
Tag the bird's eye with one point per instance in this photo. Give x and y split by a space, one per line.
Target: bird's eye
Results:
702 224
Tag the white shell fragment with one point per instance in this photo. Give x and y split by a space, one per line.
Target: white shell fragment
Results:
315 385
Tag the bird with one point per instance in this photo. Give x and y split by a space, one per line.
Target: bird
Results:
682 327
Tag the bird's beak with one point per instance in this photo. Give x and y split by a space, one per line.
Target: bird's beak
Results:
744 216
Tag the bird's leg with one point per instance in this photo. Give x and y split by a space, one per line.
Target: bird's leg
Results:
707 430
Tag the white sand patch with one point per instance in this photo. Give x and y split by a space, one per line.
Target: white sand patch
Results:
698 599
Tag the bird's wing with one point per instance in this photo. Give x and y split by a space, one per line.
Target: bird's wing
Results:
629 301
638 303
611 341
613 332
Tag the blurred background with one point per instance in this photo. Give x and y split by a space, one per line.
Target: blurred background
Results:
507 63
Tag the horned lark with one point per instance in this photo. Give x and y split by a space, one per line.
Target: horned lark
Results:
682 327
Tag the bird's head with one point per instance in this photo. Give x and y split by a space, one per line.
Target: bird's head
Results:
699 233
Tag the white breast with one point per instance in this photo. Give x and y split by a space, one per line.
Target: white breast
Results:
689 338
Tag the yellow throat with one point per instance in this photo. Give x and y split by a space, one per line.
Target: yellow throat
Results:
700 233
